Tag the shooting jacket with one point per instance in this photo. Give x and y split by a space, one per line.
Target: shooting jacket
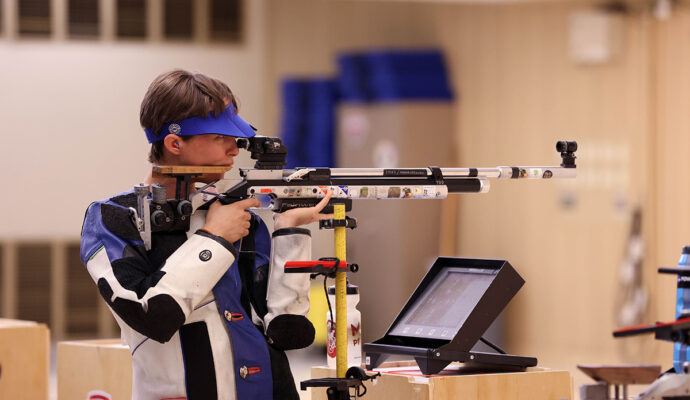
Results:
183 307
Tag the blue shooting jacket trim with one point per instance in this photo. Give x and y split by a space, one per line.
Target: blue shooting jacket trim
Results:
95 235
249 345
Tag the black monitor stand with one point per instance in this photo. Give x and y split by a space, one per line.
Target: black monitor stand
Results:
447 315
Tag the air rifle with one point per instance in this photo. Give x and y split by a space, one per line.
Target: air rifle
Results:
285 189
304 187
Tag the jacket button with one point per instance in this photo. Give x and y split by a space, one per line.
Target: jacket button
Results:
228 315
244 372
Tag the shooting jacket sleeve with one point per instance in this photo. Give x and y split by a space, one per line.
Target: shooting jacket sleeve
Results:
153 291
288 293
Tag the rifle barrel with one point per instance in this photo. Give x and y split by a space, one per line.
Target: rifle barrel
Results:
504 172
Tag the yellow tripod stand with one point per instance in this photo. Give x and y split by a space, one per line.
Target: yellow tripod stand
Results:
337 388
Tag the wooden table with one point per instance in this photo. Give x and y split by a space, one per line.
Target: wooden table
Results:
403 381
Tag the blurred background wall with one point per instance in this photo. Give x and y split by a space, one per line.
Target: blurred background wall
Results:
525 74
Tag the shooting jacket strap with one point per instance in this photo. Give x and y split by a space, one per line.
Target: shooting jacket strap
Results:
245 264
253 278
254 285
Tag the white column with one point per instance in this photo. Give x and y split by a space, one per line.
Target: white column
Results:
10 18
58 19
58 292
202 20
108 18
9 280
154 20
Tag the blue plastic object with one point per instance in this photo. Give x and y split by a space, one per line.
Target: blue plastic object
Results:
308 121
681 352
393 75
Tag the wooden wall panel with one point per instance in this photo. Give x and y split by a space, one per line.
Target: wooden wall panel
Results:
519 92
672 141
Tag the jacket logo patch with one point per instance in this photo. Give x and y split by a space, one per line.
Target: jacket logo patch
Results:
205 255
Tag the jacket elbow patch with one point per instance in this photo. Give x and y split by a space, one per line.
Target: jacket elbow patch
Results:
135 275
160 322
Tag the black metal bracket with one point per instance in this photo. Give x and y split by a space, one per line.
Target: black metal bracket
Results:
332 223
182 193
437 174
567 150
339 388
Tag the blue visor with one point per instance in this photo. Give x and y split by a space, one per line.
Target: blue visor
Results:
227 123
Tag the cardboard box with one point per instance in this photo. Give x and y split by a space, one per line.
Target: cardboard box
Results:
401 383
24 360
90 367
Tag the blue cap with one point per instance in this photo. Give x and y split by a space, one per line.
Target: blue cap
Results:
227 123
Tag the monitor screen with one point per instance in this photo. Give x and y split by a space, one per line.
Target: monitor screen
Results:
445 304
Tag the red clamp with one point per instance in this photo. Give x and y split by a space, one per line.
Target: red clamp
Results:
326 266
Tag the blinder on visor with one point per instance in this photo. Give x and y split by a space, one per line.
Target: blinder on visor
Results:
227 123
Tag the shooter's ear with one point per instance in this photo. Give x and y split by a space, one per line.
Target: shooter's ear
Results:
173 143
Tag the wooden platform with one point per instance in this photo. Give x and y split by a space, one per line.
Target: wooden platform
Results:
89 366
400 381
24 359
622 374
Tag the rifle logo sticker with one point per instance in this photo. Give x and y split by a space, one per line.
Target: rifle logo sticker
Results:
393 192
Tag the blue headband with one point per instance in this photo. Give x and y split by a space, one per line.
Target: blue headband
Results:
227 123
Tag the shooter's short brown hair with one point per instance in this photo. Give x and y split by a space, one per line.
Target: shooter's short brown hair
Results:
177 95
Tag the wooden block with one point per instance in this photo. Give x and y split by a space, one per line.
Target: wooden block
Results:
534 384
172 170
94 365
24 360
622 374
